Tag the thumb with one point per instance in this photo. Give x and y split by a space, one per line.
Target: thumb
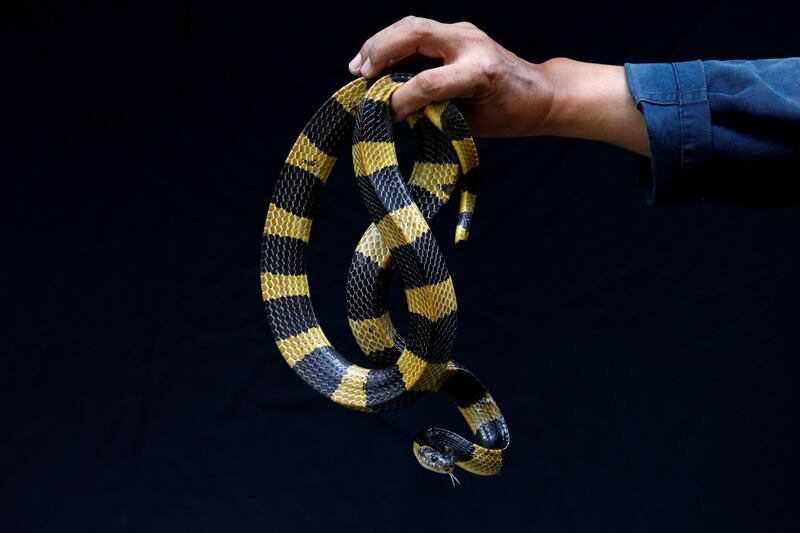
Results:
456 80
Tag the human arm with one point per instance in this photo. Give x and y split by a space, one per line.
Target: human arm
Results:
714 131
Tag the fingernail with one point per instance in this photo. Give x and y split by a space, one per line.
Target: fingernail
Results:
366 68
355 63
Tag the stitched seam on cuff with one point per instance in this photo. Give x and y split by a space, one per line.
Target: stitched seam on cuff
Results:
680 115
694 114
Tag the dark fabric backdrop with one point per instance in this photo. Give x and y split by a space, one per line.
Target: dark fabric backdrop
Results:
645 358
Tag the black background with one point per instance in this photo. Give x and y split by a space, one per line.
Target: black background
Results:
645 358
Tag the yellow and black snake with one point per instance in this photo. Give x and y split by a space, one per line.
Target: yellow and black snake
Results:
398 236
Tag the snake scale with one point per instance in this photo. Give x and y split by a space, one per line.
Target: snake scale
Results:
398 238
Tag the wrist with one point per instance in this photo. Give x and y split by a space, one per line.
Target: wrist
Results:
592 101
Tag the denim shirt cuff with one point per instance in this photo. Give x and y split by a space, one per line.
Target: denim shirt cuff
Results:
674 101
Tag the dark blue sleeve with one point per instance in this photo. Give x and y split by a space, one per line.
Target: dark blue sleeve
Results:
720 131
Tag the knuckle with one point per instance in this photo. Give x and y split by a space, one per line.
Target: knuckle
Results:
489 70
466 24
483 74
374 49
479 37
426 83
367 46
419 25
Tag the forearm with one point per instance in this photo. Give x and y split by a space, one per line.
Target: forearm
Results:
592 101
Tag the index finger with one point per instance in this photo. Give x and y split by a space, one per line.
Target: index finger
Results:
408 36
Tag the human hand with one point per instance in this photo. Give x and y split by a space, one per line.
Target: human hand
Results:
501 94
493 86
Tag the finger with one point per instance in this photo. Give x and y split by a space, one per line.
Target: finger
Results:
457 80
405 37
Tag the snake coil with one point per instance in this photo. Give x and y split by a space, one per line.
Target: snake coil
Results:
398 237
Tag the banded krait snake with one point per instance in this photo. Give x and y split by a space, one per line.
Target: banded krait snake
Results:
399 233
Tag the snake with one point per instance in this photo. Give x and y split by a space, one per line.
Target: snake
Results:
398 238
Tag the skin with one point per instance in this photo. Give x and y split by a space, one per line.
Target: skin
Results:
501 94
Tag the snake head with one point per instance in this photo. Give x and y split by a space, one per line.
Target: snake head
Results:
434 460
